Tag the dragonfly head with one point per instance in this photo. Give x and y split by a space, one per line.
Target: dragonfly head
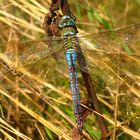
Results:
67 24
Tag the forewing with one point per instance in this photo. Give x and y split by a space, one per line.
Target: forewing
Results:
111 56
46 62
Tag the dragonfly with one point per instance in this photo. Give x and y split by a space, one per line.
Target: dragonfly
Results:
98 52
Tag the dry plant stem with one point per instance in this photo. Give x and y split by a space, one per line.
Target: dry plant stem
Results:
116 100
39 131
89 85
95 103
17 93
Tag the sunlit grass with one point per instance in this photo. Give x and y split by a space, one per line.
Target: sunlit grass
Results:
42 105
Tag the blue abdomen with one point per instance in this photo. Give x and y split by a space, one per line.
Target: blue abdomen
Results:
71 59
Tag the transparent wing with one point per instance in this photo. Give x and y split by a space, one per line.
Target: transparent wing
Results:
45 58
39 58
112 43
112 56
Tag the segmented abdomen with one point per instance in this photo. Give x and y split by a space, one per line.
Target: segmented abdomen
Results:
71 59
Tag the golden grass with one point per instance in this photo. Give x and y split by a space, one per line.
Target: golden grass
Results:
26 21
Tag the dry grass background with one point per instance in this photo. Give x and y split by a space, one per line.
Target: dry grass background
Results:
35 98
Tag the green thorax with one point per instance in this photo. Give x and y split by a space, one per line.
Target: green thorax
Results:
67 24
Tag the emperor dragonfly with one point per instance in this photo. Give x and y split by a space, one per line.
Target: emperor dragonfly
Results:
36 58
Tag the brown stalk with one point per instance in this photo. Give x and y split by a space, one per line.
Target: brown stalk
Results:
89 85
